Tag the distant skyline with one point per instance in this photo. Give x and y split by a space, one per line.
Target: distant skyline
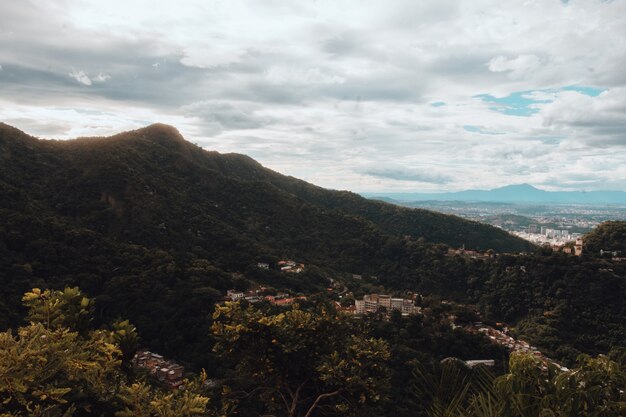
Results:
422 96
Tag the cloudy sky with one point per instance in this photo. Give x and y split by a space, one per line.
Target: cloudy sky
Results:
362 95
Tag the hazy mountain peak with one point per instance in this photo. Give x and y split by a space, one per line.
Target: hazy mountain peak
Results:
516 193
518 187
160 133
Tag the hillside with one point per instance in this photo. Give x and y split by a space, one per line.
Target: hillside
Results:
608 236
150 186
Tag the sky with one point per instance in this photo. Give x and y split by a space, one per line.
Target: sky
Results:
360 95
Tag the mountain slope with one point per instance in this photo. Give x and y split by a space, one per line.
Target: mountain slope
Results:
150 184
521 193
608 236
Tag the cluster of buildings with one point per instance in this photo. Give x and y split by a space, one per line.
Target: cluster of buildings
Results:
503 339
577 249
490 254
562 234
372 303
290 266
255 296
543 235
166 372
284 266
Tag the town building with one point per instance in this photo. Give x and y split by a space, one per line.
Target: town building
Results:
372 303
235 295
166 372
290 266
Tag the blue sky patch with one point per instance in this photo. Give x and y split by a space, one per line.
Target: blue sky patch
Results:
438 104
588 91
515 104
521 103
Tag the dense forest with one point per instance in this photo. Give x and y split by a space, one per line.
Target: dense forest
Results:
608 237
154 231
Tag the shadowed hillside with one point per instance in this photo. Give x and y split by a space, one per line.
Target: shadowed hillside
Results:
151 187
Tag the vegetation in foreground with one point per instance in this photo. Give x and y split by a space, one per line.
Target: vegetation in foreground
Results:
297 362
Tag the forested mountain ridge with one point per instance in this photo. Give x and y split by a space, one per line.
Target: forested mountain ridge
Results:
152 177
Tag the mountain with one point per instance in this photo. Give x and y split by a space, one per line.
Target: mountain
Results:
521 193
150 185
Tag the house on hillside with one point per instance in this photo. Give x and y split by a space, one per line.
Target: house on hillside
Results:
166 372
372 303
290 266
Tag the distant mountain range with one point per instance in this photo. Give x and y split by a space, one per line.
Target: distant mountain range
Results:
521 193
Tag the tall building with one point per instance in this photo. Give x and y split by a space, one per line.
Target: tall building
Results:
372 302
578 248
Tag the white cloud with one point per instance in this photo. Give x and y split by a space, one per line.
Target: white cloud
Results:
329 91
100 78
522 66
80 76
84 79
211 56
599 121
300 76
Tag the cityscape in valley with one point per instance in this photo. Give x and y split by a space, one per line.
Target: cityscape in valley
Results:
540 223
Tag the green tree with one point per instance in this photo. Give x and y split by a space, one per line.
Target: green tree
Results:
57 309
531 388
141 400
126 338
55 372
303 361
50 370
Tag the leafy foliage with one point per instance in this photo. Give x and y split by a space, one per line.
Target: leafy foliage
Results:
55 372
58 309
609 236
50 370
529 389
141 400
302 361
125 336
